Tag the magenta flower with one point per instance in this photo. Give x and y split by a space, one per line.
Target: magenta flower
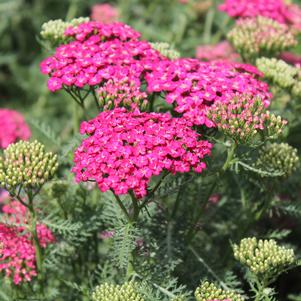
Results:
17 251
194 86
99 53
277 10
12 128
125 149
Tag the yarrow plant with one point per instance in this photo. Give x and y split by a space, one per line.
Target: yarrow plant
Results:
12 128
124 150
164 157
256 37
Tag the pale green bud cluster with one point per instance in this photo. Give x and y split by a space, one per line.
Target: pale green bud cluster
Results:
263 256
257 37
209 291
280 73
111 292
280 157
27 164
166 50
53 30
245 119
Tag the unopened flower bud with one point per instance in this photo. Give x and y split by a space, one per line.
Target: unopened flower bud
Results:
166 50
26 163
281 158
209 291
263 257
110 292
53 30
256 37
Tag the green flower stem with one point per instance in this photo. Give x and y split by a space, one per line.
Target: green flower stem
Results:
72 10
230 155
122 207
95 99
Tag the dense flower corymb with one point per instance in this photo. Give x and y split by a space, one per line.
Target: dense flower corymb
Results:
194 86
243 118
273 9
282 74
100 52
17 252
209 291
27 164
12 128
263 256
281 158
125 149
110 292
260 36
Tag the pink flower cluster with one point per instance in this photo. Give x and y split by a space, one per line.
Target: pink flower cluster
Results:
105 13
125 149
99 53
12 127
194 86
17 252
277 10
220 51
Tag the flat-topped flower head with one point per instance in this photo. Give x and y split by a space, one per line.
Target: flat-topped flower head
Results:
278 157
277 10
193 86
100 52
125 149
27 164
12 128
281 74
209 291
256 37
263 257
53 31
118 30
17 251
111 292
245 120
